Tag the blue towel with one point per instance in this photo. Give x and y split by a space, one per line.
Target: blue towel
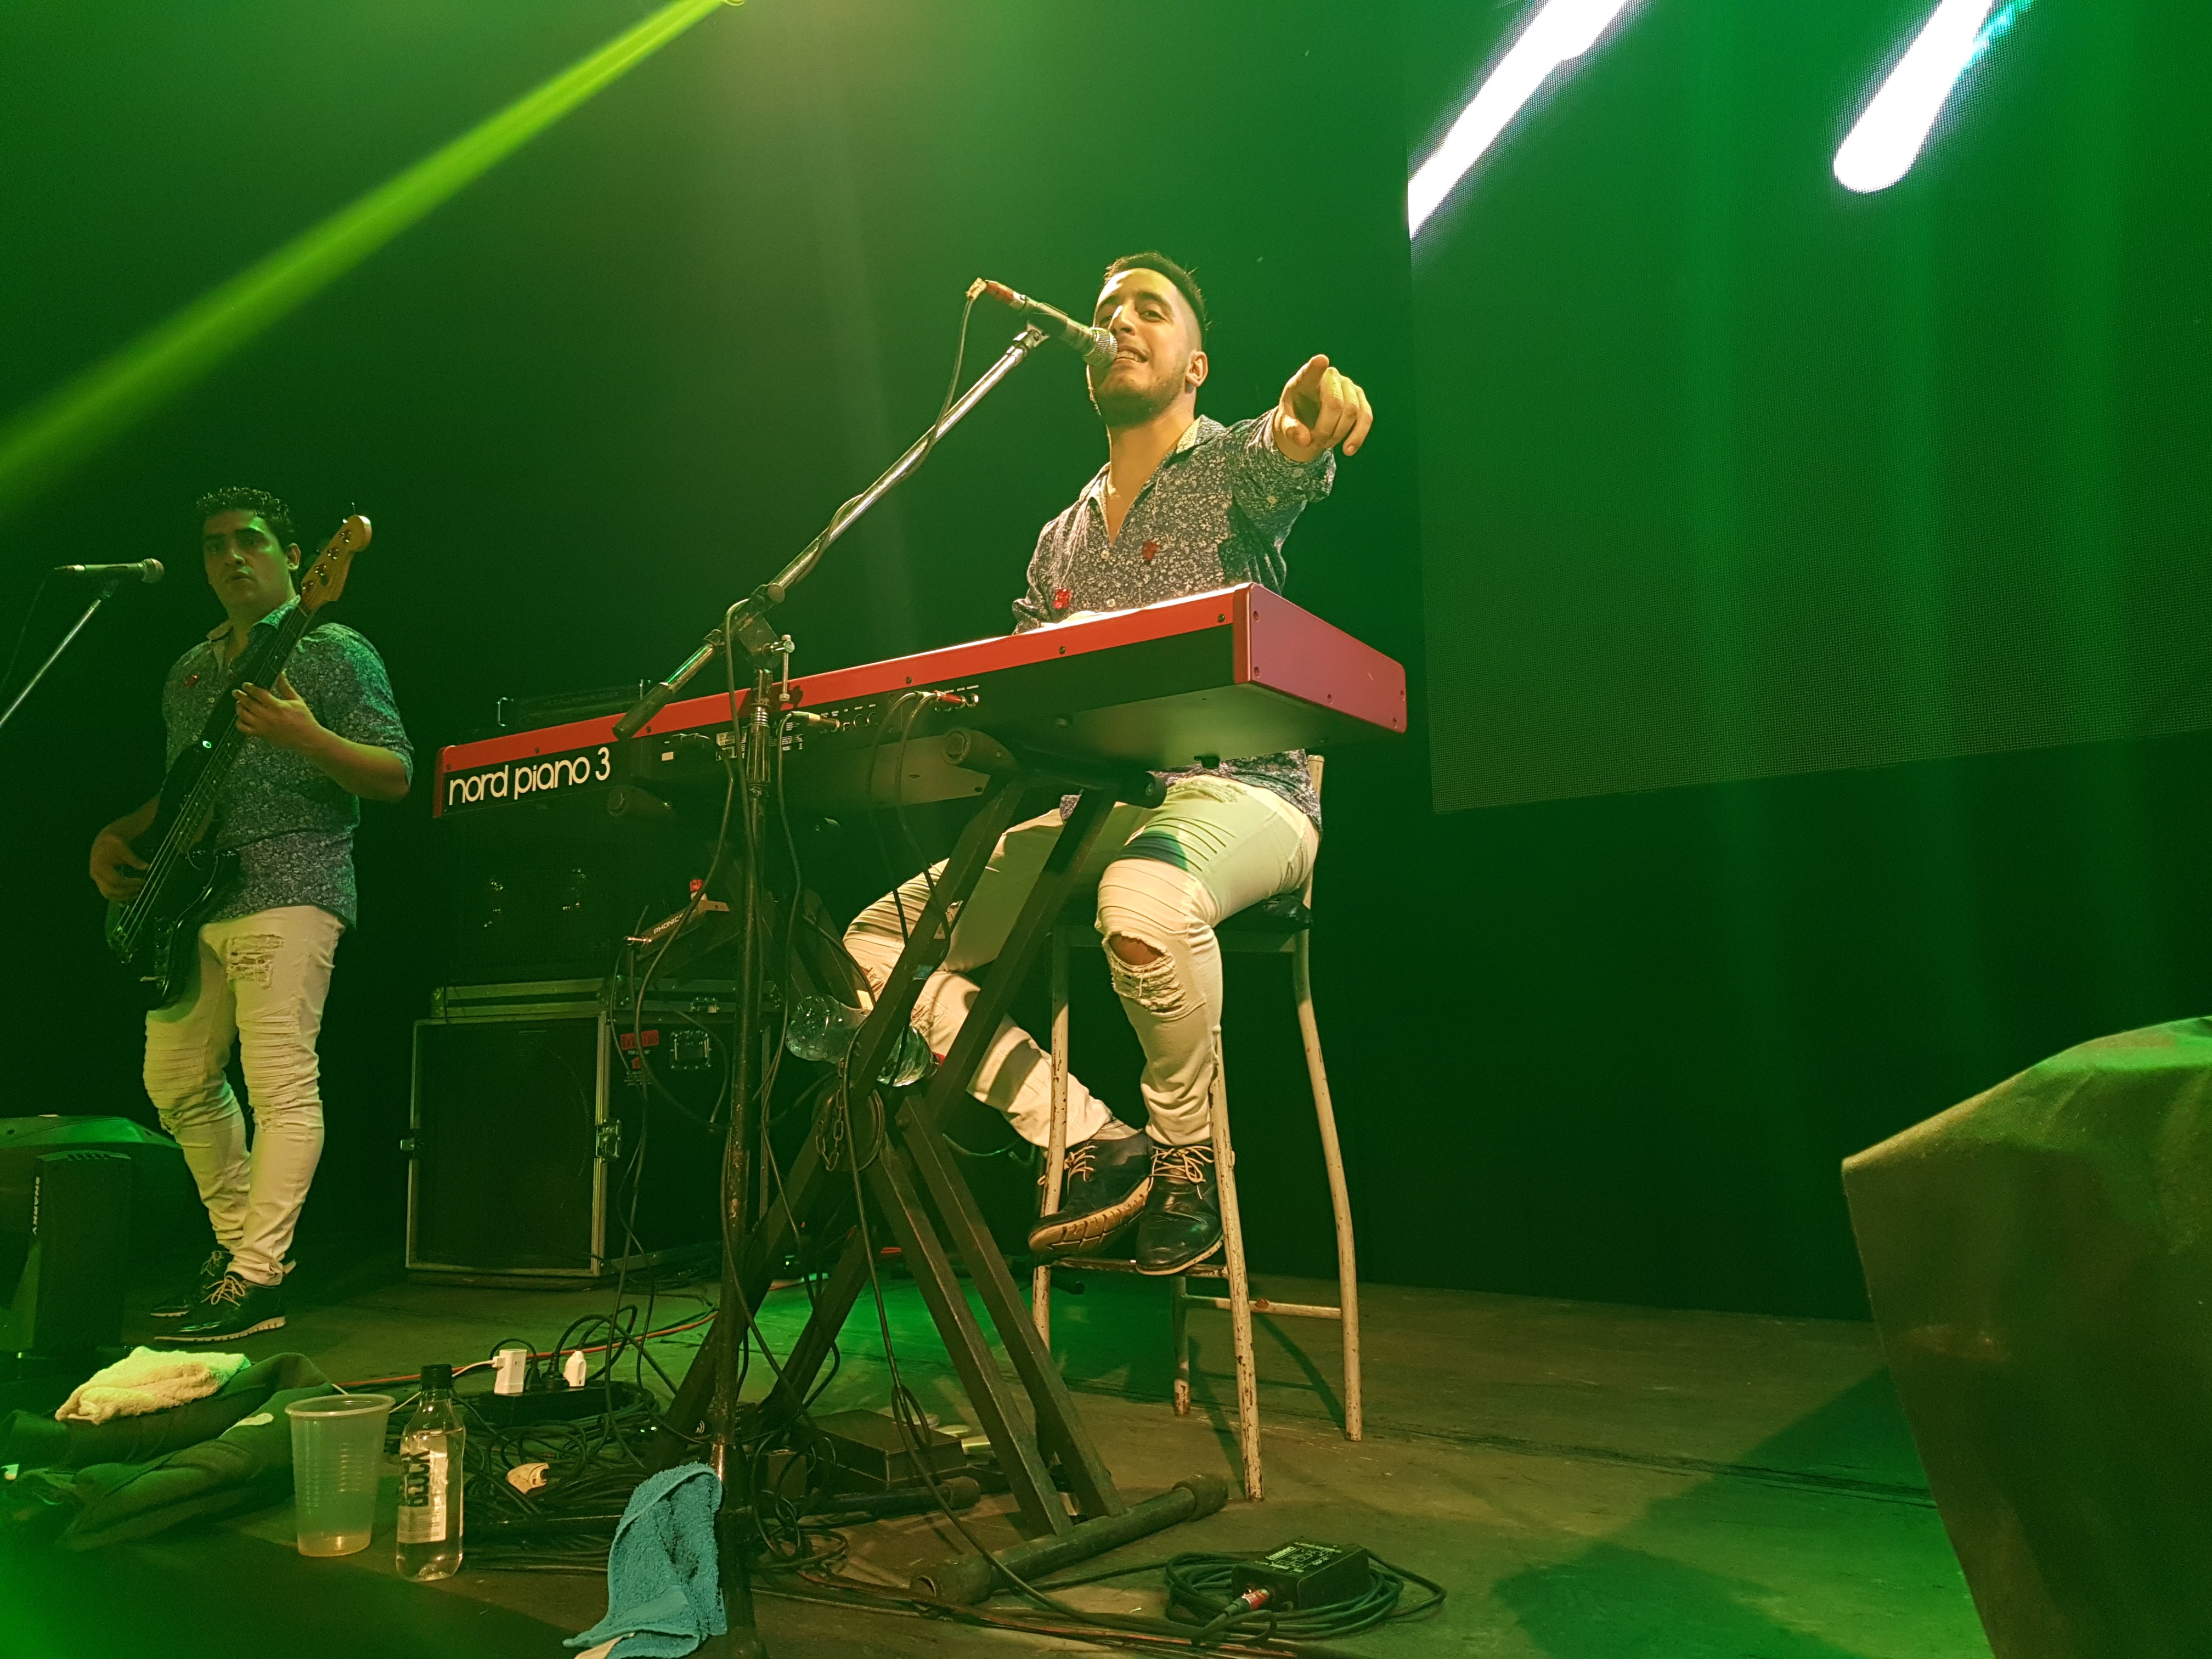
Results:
664 1594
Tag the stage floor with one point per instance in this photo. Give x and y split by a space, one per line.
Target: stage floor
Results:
1590 1482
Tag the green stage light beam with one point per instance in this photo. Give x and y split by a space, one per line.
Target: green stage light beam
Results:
1557 35
86 412
1888 137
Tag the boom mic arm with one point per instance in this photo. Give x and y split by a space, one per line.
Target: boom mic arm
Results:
1096 345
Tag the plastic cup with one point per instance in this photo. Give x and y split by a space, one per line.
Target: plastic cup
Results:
337 1458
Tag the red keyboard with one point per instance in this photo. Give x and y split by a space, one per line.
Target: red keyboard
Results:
1215 676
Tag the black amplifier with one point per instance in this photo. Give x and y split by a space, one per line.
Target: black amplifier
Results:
549 891
541 1152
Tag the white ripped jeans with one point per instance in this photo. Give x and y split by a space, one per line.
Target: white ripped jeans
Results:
260 980
1165 876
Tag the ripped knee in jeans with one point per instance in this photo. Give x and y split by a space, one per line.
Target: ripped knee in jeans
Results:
1144 974
252 957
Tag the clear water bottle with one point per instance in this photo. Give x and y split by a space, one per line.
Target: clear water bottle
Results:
822 1028
430 1462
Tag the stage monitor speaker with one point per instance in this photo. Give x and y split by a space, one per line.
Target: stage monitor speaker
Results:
69 1289
536 1156
2040 1260
165 1209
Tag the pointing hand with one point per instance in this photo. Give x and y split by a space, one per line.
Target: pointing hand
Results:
1320 408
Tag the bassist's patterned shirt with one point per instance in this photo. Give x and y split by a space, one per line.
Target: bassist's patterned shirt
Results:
292 825
1215 511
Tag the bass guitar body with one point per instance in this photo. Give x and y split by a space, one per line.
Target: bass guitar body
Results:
155 940
153 935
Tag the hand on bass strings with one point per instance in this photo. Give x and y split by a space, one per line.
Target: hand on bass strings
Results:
1320 408
113 860
112 863
278 715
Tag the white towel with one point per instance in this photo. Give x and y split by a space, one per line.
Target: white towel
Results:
148 1381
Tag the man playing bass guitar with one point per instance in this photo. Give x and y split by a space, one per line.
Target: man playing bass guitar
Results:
324 736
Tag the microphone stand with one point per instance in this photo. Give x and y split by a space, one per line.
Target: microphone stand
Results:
746 628
746 622
106 593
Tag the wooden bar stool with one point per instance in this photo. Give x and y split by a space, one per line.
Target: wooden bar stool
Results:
1280 926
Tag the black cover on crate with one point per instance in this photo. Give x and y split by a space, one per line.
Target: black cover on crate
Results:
2040 1260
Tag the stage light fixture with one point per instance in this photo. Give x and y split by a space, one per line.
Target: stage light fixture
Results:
1562 32
39 445
1888 137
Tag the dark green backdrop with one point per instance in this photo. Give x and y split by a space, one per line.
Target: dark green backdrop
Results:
1611 1047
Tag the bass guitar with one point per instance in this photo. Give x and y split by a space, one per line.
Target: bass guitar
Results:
154 933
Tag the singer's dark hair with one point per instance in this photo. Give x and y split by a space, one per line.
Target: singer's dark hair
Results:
1186 284
271 511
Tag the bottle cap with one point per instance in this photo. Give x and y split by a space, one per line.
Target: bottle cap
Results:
437 1377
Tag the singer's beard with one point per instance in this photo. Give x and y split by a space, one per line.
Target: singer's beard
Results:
1120 404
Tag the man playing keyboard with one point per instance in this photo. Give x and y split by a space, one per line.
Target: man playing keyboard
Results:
1183 505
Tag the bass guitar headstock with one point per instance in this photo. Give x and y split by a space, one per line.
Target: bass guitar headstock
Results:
326 578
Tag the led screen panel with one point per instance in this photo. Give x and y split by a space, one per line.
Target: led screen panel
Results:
1729 470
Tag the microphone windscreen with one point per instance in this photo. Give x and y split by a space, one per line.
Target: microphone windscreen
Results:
154 571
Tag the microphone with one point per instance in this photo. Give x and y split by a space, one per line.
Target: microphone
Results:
146 570
1096 344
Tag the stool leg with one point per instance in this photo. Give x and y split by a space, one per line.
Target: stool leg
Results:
1179 1336
1347 1276
1055 1151
1240 1289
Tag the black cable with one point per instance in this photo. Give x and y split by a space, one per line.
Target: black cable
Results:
755 1447
1205 1582
15 655
780 974
906 1410
927 441
907 1414
875 812
788 1544
1201 1581
1102 1629
594 1464
898 798
952 386
643 983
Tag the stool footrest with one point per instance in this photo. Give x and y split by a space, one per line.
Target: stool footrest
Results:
1201 1270
1094 1264
1261 1305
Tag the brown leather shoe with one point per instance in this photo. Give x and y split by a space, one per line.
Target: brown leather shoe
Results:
1182 1222
1102 1186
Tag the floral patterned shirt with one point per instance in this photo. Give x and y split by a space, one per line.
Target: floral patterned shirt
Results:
292 825
1215 511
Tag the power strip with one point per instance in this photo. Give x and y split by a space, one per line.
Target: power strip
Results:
554 1405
